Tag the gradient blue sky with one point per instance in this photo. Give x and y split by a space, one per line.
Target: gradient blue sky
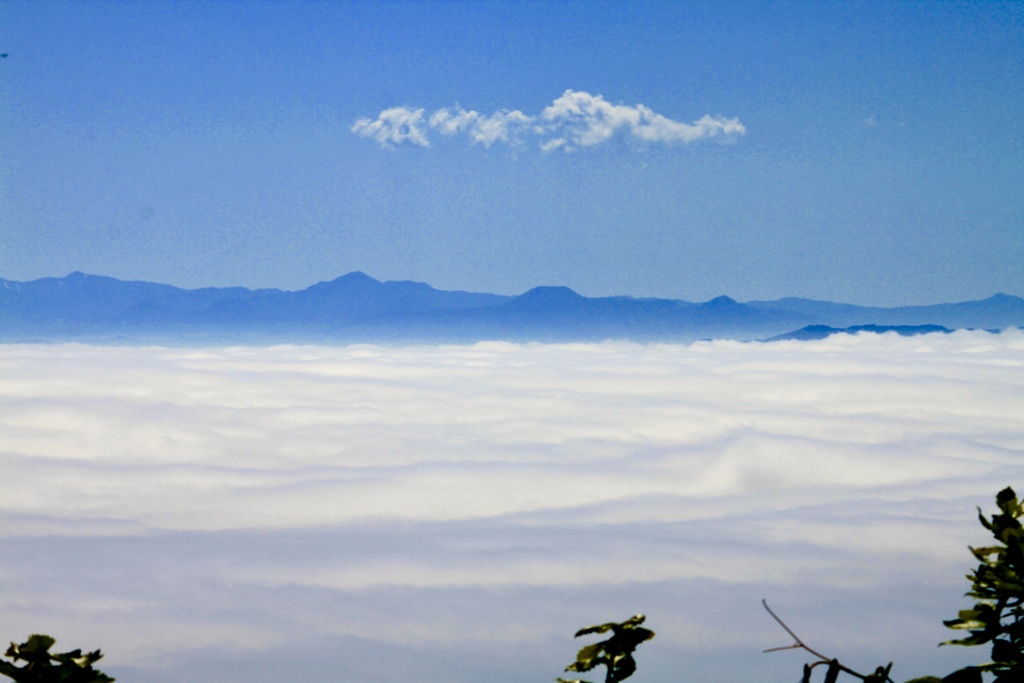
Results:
208 144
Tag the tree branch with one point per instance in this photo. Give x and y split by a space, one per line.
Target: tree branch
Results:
799 644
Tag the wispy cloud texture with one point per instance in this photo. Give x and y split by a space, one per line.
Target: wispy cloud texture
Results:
429 512
576 120
393 127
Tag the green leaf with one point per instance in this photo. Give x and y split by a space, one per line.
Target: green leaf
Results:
1005 651
997 585
616 652
1006 497
970 674
600 628
71 667
590 652
37 643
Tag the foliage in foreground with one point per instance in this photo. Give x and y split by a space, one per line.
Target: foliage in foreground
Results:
997 586
616 653
42 666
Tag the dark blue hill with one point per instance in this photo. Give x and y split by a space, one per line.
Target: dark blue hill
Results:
812 332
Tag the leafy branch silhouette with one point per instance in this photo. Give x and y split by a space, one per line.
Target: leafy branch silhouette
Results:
42 666
616 653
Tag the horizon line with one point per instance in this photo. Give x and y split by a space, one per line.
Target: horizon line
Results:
995 295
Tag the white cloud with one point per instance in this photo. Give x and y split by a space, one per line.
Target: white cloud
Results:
575 120
393 127
656 128
450 121
370 499
553 144
503 126
588 120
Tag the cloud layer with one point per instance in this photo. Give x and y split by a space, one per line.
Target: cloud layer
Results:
455 513
576 120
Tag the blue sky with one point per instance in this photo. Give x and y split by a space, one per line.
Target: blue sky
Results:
880 159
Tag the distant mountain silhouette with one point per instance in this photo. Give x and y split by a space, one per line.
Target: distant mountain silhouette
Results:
822 331
356 307
996 312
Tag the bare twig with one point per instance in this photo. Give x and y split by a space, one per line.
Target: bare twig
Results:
798 644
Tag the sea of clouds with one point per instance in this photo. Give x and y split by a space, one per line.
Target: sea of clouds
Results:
455 513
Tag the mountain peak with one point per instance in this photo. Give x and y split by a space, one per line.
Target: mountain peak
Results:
722 301
356 276
551 293
75 278
547 299
356 280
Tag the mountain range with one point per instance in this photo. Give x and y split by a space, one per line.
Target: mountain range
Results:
356 307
